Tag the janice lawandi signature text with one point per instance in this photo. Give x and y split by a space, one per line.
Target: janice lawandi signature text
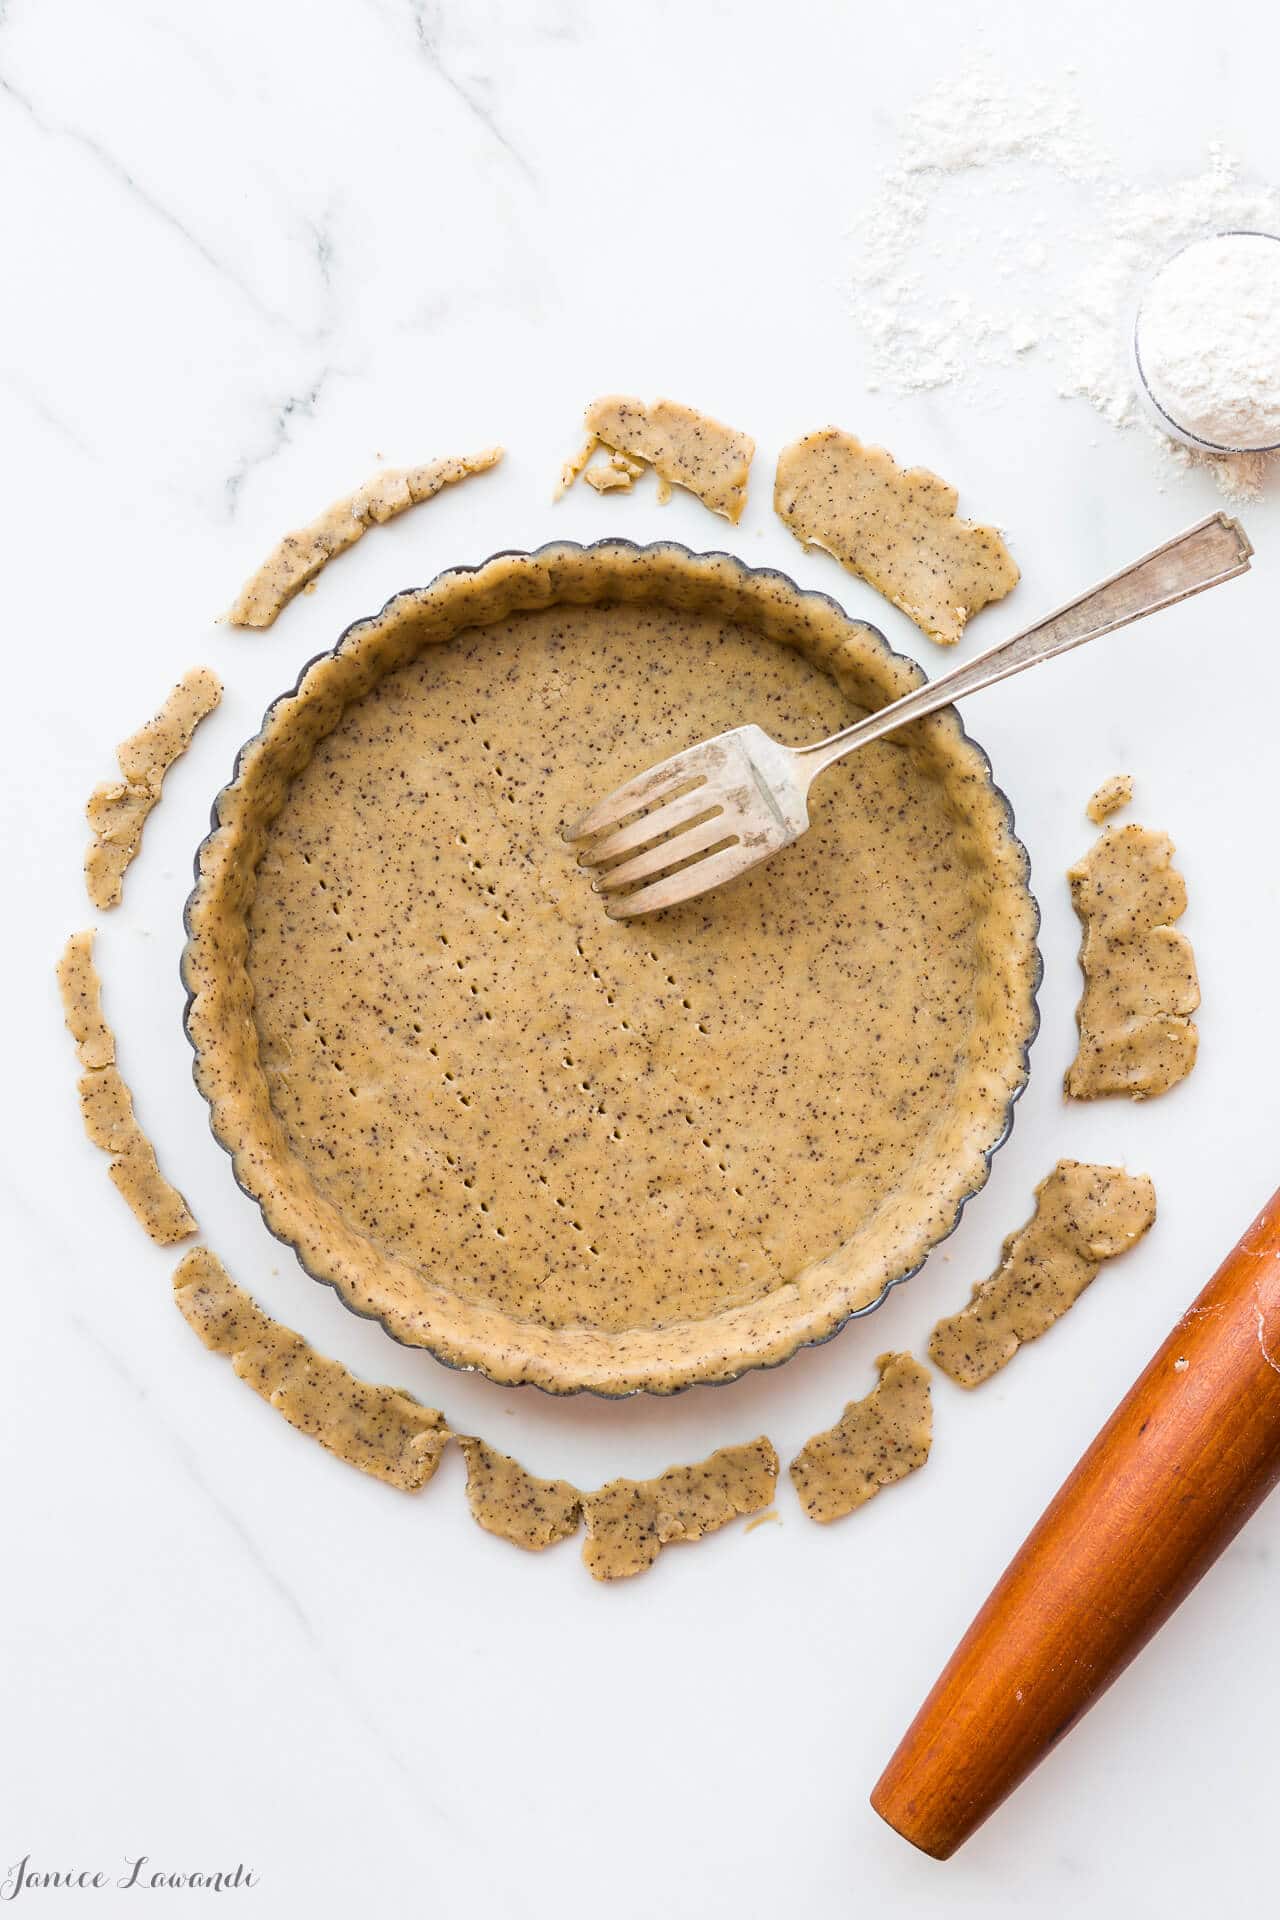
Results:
139 1871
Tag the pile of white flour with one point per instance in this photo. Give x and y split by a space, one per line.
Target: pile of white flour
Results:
958 267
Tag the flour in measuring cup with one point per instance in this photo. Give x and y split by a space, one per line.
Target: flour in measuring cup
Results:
1208 340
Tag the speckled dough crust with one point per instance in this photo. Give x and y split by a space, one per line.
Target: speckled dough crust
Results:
515 1504
81 992
896 527
379 1429
1084 1215
617 474
1115 792
575 465
1140 982
685 449
630 1521
302 554
118 809
877 1440
106 1106
559 1148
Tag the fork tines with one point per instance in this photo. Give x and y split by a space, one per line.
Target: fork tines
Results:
655 827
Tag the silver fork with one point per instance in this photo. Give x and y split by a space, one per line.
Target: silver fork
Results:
705 815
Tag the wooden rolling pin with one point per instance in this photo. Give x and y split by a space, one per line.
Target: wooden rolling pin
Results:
1168 1483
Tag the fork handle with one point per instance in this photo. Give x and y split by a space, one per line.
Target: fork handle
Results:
1215 549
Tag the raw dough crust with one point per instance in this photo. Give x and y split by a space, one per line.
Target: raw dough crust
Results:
118 809
81 991
630 1521
516 1505
1115 792
302 554
617 474
379 1429
548 1145
1140 982
575 465
896 527
106 1106
685 448
876 1441
1084 1215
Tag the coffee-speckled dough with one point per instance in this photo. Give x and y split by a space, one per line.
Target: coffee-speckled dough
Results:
106 1105
1084 1215
81 992
630 1521
896 527
506 1499
684 448
301 555
381 1430
549 1145
617 474
1140 981
877 1440
574 466
1115 792
117 809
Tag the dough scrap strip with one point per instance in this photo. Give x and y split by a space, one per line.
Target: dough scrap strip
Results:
302 554
509 1501
391 1436
896 527
1140 982
630 1521
685 449
117 810
81 991
380 1430
877 1440
1115 792
1084 1215
106 1105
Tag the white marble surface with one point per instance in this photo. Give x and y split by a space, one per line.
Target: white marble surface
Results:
249 250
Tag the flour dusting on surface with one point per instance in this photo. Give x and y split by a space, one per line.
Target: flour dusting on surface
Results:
958 267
